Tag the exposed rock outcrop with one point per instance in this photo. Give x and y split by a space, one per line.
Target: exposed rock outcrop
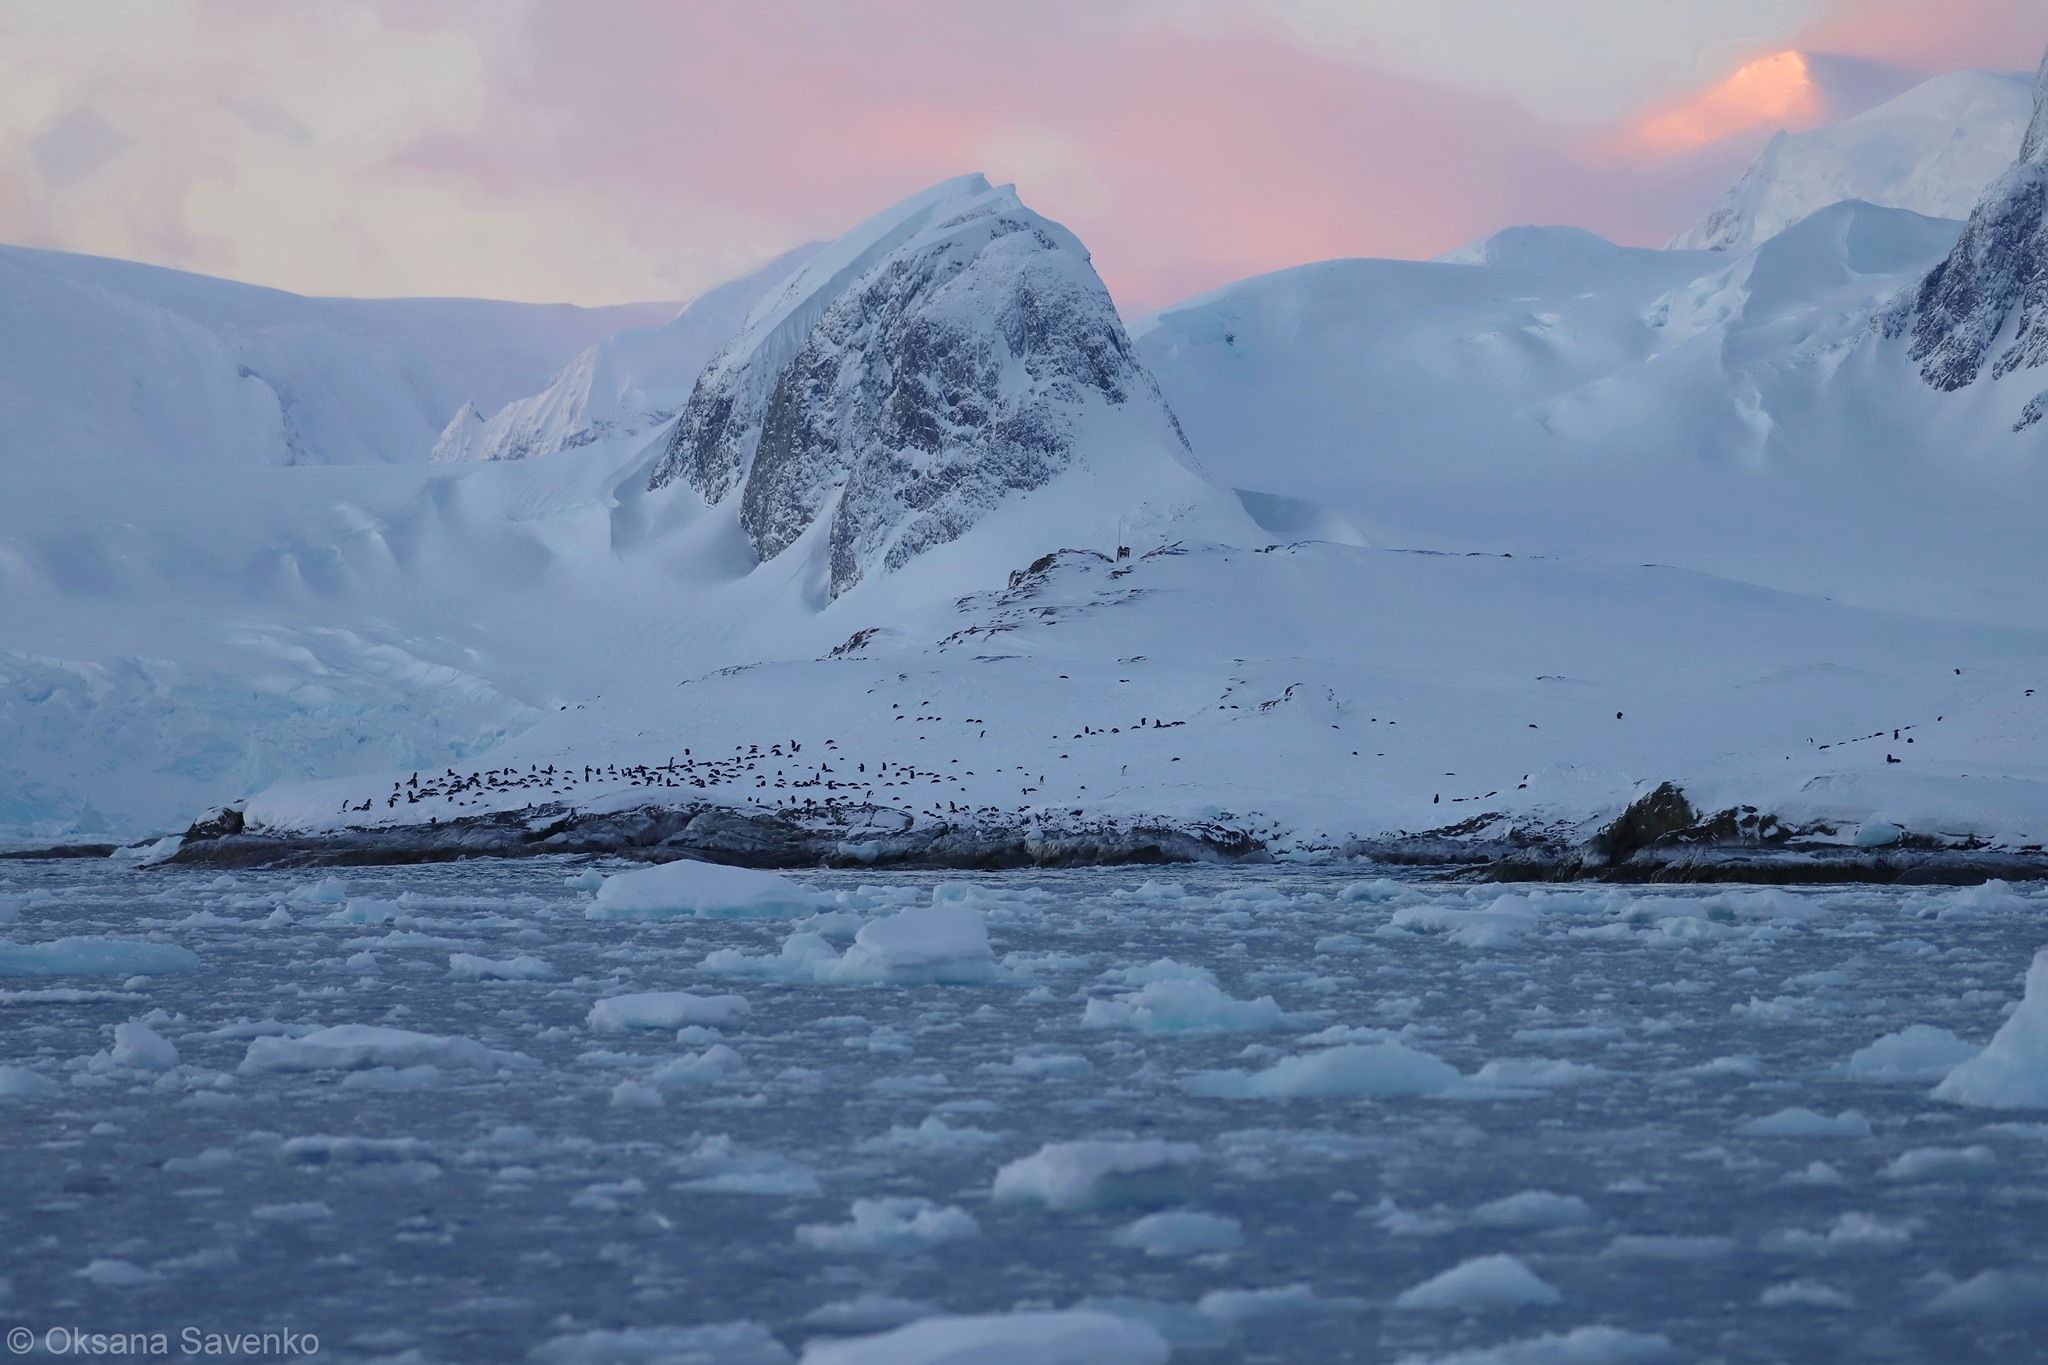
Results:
1984 310
940 359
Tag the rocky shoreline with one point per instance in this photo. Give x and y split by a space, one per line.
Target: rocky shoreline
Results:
1661 838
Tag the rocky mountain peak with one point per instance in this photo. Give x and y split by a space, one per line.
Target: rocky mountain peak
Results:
1985 308
937 361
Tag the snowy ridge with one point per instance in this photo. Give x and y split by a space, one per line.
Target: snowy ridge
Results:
1931 150
630 382
110 360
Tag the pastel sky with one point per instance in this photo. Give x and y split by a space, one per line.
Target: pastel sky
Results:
608 150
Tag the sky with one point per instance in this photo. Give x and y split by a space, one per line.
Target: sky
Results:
605 151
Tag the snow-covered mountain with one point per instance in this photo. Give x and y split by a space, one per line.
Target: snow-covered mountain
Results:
1491 546
1983 312
630 382
1566 397
112 360
1932 149
944 357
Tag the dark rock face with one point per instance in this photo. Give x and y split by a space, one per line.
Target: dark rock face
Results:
1986 306
747 838
216 823
1664 812
949 375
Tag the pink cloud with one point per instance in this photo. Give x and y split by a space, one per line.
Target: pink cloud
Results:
1196 157
1934 35
616 148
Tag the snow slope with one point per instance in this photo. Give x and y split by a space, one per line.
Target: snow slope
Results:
630 382
111 360
1932 149
1558 395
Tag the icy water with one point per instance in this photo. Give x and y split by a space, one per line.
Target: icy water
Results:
566 1186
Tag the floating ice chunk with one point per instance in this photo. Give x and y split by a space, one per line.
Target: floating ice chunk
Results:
1996 1296
1353 1071
1805 1123
358 1047
635 1095
1532 1209
322 1149
1502 923
723 1343
142 1047
361 910
868 1312
1877 834
714 1063
942 944
18 1082
1817 1173
932 1135
666 1010
1976 902
1532 1073
469 967
1805 1294
114 1273
1182 1232
1160 969
1580 1346
1075 1336
1851 1234
717 1164
1942 1163
704 890
303 1211
1074 1175
1242 1305
94 957
804 957
1187 1006
1667 1246
2012 1070
388 1079
891 1227
1480 1285
1918 1052
326 891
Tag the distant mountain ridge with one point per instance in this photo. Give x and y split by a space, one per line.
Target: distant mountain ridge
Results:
1984 310
1932 150
114 359
630 382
